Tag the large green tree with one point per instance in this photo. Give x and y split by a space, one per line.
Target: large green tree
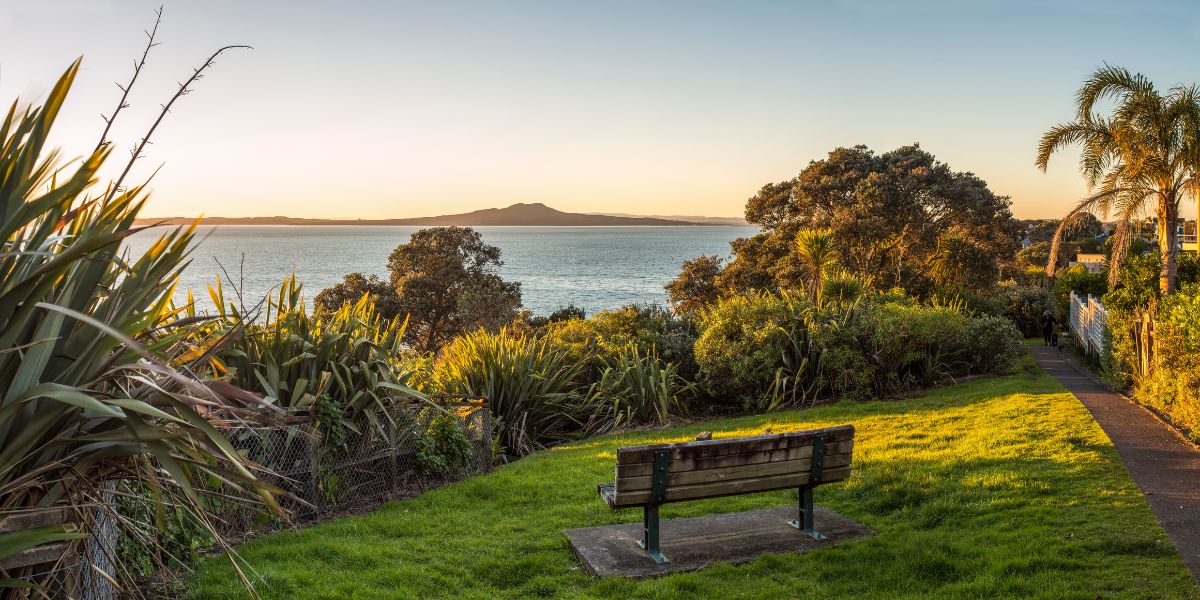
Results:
900 218
446 280
1144 156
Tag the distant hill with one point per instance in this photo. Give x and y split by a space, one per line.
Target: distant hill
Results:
688 218
528 215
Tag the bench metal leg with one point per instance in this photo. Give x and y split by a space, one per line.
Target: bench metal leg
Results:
649 539
805 522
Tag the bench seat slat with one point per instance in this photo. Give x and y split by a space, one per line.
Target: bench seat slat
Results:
731 473
729 488
719 447
625 470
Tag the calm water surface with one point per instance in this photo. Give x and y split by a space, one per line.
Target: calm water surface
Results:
592 267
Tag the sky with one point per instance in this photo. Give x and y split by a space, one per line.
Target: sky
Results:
359 109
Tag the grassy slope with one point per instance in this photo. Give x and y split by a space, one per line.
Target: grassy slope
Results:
993 488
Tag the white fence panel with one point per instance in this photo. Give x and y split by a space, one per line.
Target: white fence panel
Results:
1088 319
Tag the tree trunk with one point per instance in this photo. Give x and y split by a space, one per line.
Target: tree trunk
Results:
1167 247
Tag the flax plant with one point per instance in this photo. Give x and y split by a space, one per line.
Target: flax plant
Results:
351 356
94 384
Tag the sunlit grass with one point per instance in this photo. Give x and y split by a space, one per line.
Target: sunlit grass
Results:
994 488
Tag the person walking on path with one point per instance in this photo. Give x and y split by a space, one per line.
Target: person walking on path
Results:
1048 323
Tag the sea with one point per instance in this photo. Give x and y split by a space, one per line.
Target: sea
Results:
594 268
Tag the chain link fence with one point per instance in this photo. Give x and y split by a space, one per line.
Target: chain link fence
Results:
380 457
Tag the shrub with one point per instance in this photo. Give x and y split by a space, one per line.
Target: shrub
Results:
989 344
637 388
1081 281
885 348
1025 306
443 448
742 344
569 312
1173 386
653 329
530 384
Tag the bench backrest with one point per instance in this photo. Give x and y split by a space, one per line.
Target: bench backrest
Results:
725 467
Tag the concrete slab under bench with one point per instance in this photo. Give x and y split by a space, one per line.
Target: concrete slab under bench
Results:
696 542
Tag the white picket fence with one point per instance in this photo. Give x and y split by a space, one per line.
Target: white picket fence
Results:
1088 321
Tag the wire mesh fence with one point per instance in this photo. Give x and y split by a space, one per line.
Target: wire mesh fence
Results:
382 456
377 459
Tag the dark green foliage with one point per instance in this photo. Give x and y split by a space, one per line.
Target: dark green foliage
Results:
1079 280
1025 305
353 287
294 358
743 343
652 328
569 312
696 286
640 389
762 351
328 421
888 348
99 378
899 217
1138 288
532 387
178 533
447 283
443 448
989 344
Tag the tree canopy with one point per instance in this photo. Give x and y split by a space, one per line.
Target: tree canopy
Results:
443 279
446 280
901 218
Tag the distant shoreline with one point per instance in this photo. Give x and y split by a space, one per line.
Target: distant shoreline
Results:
175 222
517 215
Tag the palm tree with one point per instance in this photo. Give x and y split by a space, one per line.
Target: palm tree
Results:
1143 158
817 251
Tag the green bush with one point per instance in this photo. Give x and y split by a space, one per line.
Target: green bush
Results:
1081 281
989 344
604 336
443 448
1025 306
742 344
531 386
1174 386
887 348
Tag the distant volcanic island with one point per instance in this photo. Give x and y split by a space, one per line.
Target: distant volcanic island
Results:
518 215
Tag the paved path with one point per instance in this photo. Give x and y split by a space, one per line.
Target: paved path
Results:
1162 463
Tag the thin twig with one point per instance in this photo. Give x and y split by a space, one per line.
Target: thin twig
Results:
137 70
183 90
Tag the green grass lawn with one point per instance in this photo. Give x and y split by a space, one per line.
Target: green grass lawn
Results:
997 488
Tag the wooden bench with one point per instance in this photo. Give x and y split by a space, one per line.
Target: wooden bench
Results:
652 475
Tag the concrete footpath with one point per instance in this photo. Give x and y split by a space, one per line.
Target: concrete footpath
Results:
1162 463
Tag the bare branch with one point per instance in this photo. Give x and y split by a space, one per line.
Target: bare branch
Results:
137 70
166 108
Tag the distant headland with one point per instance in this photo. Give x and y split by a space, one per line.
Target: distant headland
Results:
518 215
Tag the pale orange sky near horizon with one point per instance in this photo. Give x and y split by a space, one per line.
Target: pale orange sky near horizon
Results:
392 109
